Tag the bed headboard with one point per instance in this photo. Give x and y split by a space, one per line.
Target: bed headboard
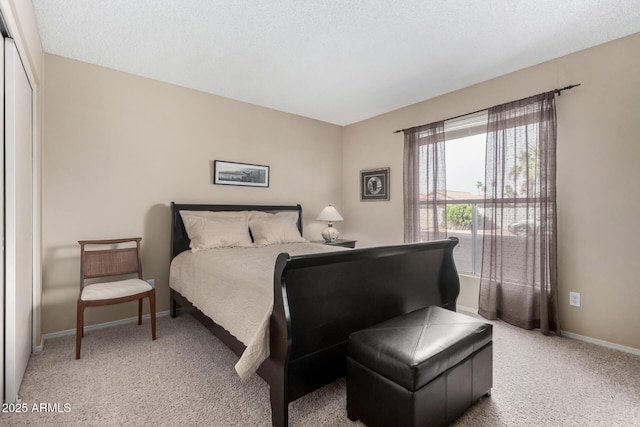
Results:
179 239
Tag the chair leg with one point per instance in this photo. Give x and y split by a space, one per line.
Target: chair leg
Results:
152 312
79 328
140 311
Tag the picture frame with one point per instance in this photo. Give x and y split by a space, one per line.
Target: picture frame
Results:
242 174
374 184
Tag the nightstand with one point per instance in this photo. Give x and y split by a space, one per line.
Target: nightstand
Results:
340 242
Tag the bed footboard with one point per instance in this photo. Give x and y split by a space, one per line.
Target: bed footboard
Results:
320 299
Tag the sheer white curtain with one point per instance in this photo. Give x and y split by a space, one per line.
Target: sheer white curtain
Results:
424 183
519 259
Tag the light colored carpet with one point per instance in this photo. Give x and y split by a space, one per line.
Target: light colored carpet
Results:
186 377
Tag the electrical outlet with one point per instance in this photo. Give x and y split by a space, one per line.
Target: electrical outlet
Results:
152 282
574 299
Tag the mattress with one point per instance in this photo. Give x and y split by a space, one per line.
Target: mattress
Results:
234 287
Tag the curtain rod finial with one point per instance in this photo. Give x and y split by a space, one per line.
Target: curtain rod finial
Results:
559 91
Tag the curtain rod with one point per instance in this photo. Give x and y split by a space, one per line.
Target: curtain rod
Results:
557 92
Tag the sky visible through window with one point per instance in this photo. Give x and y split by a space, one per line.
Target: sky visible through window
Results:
465 163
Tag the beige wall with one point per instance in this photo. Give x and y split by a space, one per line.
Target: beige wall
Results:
598 174
119 148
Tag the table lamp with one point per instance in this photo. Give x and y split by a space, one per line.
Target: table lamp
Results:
330 214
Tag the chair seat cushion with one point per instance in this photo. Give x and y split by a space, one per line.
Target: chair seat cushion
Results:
117 289
414 348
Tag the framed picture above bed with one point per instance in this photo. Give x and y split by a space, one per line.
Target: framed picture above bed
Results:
244 174
374 184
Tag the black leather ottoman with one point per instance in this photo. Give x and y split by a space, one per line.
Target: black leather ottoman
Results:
424 368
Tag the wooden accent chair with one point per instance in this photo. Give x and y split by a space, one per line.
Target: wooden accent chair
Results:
115 261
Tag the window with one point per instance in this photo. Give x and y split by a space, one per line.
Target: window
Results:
453 203
490 177
465 147
444 188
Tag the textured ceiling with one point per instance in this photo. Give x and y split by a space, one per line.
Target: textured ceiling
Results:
333 60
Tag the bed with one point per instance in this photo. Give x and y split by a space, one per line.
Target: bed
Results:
314 300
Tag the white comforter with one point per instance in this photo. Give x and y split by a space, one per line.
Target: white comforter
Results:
234 287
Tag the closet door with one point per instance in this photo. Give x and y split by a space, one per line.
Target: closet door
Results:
18 221
2 309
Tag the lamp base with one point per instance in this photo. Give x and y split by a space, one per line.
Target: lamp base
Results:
330 234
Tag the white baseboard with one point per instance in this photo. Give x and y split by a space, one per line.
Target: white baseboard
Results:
467 309
97 326
571 335
602 343
38 348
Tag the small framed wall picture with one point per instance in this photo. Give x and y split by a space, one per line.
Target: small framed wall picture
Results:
374 184
232 173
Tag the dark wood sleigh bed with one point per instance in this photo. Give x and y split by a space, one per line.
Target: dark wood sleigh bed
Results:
320 299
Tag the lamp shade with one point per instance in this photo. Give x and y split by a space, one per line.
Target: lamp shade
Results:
329 213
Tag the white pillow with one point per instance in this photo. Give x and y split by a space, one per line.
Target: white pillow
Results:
208 230
270 229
